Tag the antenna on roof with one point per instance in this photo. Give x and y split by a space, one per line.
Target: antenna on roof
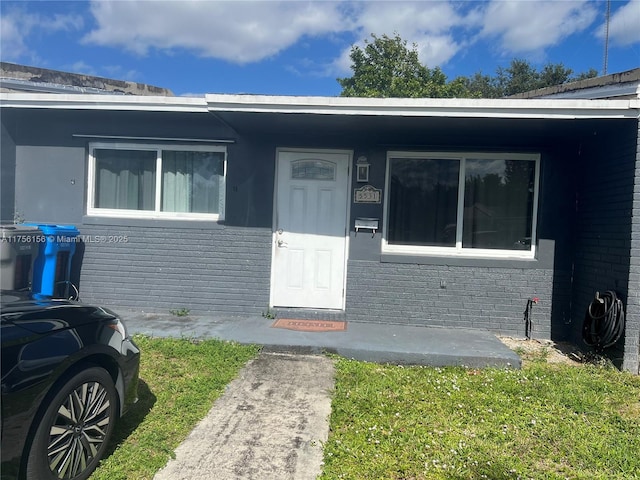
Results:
606 39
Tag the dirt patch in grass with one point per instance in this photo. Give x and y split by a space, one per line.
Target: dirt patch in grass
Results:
546 350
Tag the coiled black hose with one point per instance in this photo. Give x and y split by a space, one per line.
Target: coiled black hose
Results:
604 321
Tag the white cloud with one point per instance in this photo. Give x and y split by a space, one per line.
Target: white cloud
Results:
409 17
108 71
116 71
16 26
436 50
60 22
429 25
527 26
251 31
239 32
12 35
624 25
80 67
341 66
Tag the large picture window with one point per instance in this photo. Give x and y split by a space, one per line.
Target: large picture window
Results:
148 181
474 204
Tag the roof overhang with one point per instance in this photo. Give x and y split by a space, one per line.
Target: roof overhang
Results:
142 103
342 106
427 107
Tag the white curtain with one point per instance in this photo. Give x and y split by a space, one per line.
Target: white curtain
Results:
125 179
177 177
191 181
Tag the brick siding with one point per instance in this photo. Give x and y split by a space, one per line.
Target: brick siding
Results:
224 270
447 296
606 169
632 334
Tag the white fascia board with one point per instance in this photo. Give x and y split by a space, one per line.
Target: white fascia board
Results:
421 107
426 107
103 102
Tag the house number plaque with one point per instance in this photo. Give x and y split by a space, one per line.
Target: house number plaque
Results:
367 194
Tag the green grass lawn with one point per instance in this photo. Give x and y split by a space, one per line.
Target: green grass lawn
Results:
179 381
543 422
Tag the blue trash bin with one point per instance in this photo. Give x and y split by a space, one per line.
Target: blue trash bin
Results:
52 268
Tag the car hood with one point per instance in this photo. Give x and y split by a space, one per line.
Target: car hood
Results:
46 315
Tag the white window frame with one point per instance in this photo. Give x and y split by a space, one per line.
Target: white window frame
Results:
92 210
458 251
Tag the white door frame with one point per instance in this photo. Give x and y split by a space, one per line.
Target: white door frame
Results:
274 227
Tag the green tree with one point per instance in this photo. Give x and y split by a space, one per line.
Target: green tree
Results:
386 67
554 74
479 86
520 76
591 73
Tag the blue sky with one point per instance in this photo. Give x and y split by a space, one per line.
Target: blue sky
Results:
300 47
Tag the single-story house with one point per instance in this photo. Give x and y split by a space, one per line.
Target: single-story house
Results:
440 212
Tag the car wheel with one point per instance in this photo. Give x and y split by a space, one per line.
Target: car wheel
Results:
75 429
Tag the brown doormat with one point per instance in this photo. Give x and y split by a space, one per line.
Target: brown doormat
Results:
310 325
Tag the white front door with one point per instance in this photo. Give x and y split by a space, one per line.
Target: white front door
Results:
310 236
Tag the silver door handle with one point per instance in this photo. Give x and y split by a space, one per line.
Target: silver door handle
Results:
282 244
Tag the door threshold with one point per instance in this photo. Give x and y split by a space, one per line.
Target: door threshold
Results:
309 313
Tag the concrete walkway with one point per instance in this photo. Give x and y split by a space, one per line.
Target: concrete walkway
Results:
398 344
270 423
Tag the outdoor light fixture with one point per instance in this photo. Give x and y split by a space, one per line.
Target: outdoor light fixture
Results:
362 169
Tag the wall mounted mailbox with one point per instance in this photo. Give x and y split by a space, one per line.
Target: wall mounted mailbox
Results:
367 224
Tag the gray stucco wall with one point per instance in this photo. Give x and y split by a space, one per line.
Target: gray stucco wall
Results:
7 175
250 173
51 184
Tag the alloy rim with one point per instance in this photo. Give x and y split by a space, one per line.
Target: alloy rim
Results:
79 430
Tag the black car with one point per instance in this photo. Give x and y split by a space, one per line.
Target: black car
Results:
69 371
